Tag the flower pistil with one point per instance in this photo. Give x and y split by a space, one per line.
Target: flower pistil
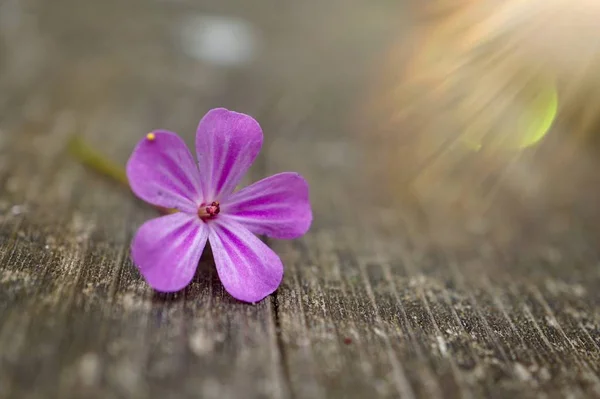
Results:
209 211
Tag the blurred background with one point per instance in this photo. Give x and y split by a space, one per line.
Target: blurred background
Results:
492 109
471 118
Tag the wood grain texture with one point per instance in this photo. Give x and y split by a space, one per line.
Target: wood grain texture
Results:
378 299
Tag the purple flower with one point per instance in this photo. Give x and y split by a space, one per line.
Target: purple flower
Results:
162 172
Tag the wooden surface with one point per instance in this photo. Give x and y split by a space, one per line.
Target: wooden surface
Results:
388 295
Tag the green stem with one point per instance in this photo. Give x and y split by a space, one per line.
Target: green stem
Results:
96 161
99 163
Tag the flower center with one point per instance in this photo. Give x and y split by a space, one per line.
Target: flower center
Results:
209 211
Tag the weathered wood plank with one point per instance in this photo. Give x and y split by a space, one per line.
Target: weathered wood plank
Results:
78 320
472 337
384 297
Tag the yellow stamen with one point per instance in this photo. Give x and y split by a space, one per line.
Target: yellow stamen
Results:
150 137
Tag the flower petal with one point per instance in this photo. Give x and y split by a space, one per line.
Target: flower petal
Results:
167 250
277 206
249 270
162 172
227 143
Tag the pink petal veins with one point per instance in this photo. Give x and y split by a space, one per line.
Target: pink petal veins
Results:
249 270
167 250
227 143
162 172
277 206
